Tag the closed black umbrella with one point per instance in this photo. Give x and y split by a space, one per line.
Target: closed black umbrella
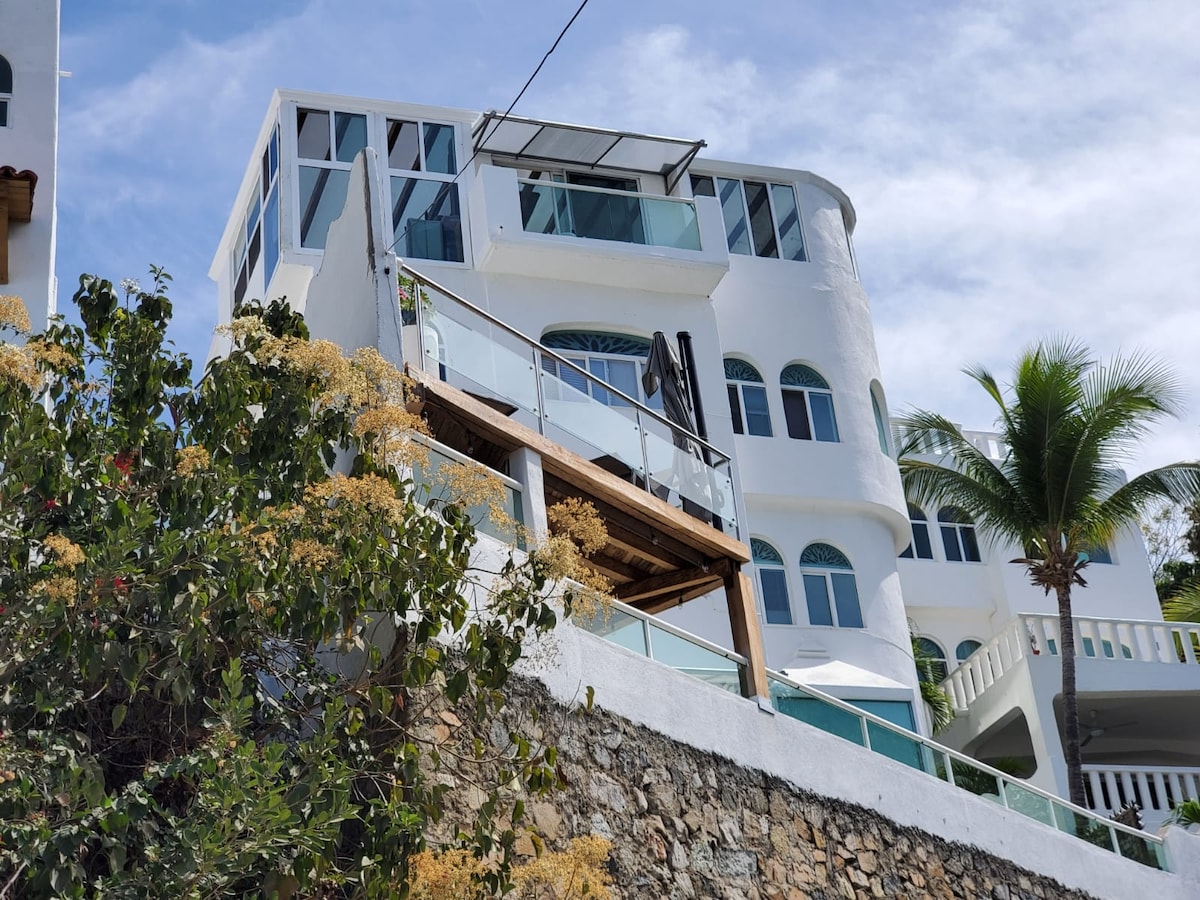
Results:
664 373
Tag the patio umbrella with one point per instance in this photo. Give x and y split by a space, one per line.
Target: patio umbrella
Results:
688 474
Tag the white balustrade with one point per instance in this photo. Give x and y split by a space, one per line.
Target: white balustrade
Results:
1156 790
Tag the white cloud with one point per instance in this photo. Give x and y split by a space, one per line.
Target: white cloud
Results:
1018 171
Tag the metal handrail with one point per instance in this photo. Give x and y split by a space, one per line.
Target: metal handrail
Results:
959 757
637 404
610 192
675 631
447 451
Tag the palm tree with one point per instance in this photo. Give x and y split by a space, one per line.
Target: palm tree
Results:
1068 423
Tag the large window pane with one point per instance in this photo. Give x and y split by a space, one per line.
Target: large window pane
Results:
970 544
271 235
312 134
322 196
921 540
761 227
404 146
351 133
735 408
758 415
816 594
950 543
734 212
791 238
702 186
775 596
425 219
439 149
623 375
795 410
824 424
845 597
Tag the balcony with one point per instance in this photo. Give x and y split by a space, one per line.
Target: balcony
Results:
617 238
1155 789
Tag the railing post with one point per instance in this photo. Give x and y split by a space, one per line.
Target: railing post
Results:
419 319
637 423
541 392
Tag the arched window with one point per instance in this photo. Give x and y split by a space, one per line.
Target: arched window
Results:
808 404
828 575
936 656
617 359
6 90
747 398
965 649
880 428
772 580
920 546
1098 554
958 535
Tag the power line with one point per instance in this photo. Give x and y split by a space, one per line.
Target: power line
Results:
498 122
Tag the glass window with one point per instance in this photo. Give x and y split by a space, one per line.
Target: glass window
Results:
1098 554
880 427
322 196
920 535
965 648
404 147
761 219
439 149
936 655
827 573
351 134
6 89
271 236
616 359
747 399
426 219
808 405
958 535
312 134
772 581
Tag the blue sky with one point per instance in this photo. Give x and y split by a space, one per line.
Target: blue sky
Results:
1019 168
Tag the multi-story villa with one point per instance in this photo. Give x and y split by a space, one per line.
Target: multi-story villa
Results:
766 545
28 153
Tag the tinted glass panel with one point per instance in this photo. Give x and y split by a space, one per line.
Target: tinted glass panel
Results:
775 596
702 186
252 254
898 712
921 540
791 239
822 715
796 412
970 545
760 219
426 219
824 424
845 597
271 235
758 416
735 408
439 149
816 595
351 133
322 196
404 148
908 553
734 212
252 216
623 375
3 113
5 76
965 649
950 543
273 151
312 134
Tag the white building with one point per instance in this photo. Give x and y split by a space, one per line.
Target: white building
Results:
28 153
547 256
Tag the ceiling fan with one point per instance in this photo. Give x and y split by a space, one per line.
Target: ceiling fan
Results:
1096 729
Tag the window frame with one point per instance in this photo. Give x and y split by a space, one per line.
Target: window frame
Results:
804 394
960 530
7 92
917 517
735 389
939 661
451 191
769 186
583 359
265 193
827 573
959 656
763 562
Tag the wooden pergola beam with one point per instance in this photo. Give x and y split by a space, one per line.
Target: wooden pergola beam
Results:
672 582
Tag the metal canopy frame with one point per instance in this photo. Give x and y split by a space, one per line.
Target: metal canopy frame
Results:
519 138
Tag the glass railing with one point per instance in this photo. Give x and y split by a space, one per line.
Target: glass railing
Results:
471 349
847 721
608 215
431 482
653 638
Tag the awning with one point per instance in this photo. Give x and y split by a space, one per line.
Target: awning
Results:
579 145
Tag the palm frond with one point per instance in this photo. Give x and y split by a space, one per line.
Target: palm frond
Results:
1184 604
1179 482
1185 814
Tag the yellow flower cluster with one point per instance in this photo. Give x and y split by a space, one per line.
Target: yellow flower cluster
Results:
387 431
61 587
243 328
472 486
190 460
368 493
576 873
444 876
51 355
64 551
311 554
13 314
17 366
579 520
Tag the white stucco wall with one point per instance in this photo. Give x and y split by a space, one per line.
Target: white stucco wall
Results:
29 41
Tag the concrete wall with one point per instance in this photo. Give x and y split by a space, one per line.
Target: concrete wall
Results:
29 41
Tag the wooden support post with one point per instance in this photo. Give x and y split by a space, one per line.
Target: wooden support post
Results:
747 637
